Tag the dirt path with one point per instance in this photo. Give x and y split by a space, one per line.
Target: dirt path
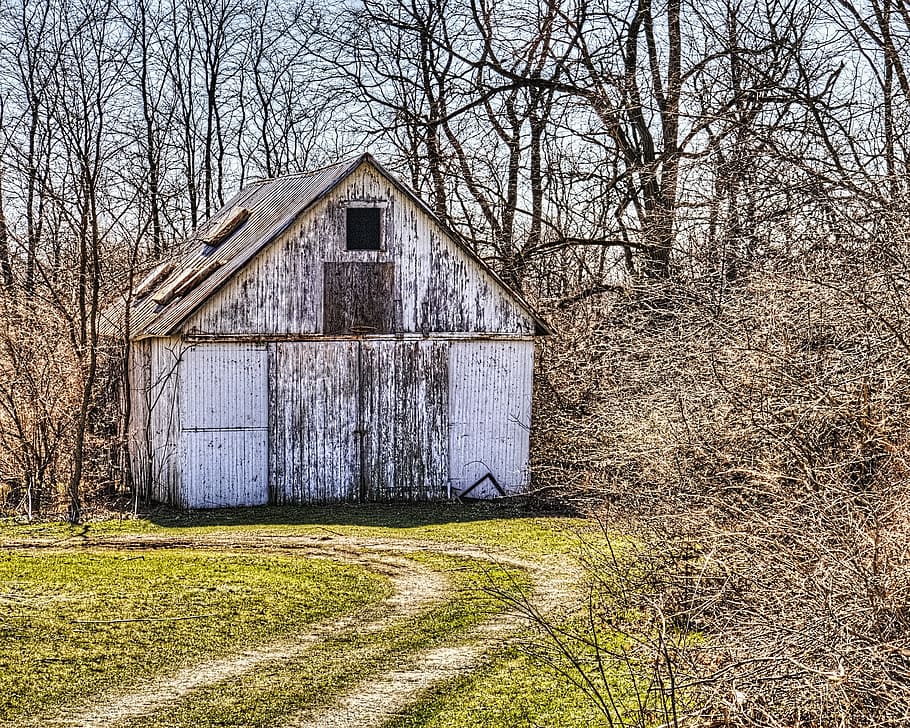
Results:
415 588
374 701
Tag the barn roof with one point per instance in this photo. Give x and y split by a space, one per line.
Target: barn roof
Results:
273 205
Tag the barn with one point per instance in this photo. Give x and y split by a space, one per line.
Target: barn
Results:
324 338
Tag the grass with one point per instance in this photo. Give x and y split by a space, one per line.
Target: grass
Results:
492 526
58 631
509 690
315 679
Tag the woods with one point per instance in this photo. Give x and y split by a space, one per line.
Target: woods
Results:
707 201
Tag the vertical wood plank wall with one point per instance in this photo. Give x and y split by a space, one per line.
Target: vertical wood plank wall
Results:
404 405
313 415
224 391
139 433
164 418
358 420
490 414
333 420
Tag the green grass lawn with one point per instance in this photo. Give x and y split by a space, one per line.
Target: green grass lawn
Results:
249 597
62 614
513 528
509 691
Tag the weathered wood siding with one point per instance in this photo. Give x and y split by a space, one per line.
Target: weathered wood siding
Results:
489 414
359 298
359 421
164 418
139 433
330 420
436 286
224 425
404 406
314 405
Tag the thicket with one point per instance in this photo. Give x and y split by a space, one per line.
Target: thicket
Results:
753 442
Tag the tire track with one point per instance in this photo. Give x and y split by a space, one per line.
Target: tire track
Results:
415 588
375 700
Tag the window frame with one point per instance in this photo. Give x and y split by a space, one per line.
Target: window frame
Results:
365 205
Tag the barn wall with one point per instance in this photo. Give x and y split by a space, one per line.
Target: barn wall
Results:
490 415
164 418
140 445
331 420
436 286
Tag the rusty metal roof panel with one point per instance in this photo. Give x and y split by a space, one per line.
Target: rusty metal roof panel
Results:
273 206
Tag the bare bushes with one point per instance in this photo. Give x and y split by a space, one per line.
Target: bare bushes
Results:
37 403
40 381
756 443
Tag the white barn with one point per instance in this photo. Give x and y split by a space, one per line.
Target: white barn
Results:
325 338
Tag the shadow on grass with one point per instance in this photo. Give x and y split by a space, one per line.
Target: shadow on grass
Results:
395 515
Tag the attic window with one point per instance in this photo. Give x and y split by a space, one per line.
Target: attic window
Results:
363 228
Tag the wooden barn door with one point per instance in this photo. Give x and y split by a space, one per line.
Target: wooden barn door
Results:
224 425
359 420
403 411
314 420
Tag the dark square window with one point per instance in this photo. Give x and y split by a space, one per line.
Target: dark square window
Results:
363 228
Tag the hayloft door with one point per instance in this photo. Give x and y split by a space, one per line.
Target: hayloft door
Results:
224 425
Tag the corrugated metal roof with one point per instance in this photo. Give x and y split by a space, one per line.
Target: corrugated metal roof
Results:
274 204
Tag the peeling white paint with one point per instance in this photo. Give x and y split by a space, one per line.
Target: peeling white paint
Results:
255 403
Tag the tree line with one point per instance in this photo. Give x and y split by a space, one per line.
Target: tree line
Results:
577 145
